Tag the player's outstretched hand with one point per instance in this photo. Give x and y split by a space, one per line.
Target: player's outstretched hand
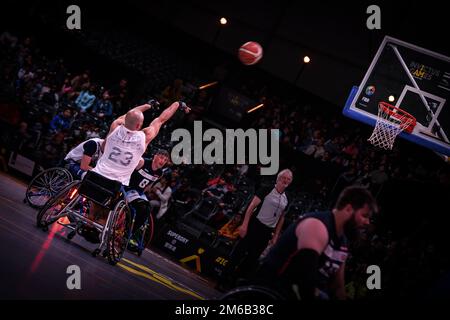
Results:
184 107
153 103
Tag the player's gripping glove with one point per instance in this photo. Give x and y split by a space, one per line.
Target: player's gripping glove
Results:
154 103
183 106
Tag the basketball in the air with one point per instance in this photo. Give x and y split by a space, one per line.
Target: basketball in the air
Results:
250 53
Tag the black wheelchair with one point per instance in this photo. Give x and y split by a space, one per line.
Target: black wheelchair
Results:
70 207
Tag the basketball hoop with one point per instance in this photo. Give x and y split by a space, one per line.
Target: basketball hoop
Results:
390 122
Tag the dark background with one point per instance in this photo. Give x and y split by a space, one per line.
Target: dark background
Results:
332 33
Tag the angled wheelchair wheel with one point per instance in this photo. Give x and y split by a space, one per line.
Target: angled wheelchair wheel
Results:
119 232
45 185
50 212
256 293
145 234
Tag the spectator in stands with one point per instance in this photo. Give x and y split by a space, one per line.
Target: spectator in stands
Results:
103 107
81 81
67 91
332 146
351 150
50 98
61 121
86 99
120 96
53 151
161 193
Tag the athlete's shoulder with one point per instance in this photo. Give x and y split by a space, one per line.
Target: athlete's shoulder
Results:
90 147
312 233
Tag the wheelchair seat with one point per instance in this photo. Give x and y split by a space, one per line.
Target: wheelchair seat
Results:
99 189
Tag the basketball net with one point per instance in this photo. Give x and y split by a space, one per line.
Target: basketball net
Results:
390 122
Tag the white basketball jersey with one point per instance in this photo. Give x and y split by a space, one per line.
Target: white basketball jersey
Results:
77 153
123 150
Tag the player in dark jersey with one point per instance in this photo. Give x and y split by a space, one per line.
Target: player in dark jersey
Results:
311 253
147 173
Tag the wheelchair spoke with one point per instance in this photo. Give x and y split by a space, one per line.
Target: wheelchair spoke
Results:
59 185
40 182
54 177
46 179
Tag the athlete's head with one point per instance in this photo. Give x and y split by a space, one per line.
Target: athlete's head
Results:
284 179
67 113
358 205
161 158
134 120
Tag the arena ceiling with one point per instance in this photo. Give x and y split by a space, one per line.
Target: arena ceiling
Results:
333 33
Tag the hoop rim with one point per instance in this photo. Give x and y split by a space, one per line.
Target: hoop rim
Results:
395 112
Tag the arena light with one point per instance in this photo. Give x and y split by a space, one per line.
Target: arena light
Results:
223 21
306 59
256 108
207 85
391 98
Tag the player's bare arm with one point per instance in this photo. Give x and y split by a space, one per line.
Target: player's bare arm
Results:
121 120
312 234
312 239
152 130
85 161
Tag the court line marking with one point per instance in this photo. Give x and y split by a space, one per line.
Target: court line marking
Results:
156 277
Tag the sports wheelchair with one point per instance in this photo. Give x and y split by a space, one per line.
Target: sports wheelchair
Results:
70 206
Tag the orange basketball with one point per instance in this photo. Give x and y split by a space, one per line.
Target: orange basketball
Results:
250 53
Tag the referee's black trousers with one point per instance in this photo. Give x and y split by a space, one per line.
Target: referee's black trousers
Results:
245 255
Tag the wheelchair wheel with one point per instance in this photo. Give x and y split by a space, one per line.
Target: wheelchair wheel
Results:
45 185
49 212
252 293
119 233
145 234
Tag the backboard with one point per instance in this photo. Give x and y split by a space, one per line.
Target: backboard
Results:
418 80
